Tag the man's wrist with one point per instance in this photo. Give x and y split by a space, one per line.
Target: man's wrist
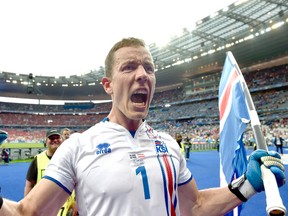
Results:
1 201
242 188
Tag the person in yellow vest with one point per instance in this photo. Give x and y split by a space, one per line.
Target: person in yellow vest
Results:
187 147
38 165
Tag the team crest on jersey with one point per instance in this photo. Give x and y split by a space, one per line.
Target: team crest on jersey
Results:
103 148
161 147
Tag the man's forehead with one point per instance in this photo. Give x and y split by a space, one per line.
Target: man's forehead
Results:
133 54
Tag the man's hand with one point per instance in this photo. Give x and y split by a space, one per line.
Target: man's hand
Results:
251 182
272 161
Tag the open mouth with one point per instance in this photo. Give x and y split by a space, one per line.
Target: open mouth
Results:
139 97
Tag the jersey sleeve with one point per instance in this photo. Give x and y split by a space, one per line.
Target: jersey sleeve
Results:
61 167
185 175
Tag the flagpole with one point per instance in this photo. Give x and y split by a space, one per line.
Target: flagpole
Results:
273 199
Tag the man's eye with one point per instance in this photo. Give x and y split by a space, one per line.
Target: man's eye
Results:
149 68
129 67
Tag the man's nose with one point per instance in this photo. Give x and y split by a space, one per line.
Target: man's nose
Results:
141 73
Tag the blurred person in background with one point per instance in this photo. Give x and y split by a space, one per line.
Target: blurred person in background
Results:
66 132
5 155
38 165
179 139
278 142
187 148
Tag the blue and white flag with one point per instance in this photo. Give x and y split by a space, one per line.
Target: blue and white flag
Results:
234 117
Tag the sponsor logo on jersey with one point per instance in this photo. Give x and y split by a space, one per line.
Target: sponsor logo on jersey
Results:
160 147
103 148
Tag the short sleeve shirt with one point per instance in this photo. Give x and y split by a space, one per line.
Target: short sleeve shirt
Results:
115 173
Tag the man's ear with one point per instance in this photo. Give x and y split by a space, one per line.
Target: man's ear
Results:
107 85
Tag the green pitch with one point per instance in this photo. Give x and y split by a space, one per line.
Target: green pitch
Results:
22 145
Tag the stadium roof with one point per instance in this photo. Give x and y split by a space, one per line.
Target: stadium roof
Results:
255 31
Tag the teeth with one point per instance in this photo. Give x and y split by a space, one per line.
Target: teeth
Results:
141 91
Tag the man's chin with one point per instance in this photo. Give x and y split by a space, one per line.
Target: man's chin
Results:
138 115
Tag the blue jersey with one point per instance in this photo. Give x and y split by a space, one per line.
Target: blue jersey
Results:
115 173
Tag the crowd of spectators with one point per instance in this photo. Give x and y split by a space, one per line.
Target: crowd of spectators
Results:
57 120
191 110
25 135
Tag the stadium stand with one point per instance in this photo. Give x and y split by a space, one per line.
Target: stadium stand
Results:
191 109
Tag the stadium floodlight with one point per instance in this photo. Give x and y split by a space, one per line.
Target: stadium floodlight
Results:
277 25
211 51
268 29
